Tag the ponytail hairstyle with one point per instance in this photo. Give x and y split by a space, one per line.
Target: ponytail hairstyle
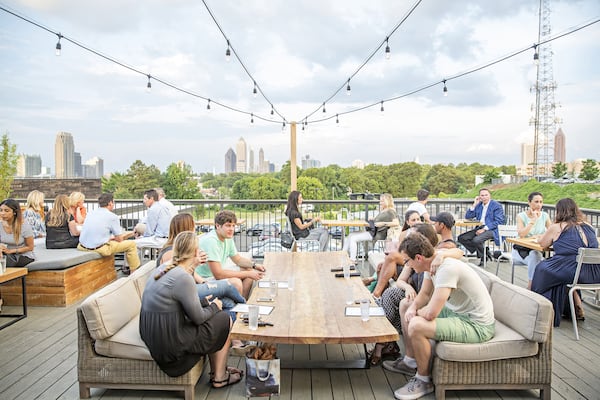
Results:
184 248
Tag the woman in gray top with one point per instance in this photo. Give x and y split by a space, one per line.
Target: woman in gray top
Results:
178 327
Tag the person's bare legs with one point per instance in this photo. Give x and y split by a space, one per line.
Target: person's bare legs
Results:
246 287
408 348
218 362
420 331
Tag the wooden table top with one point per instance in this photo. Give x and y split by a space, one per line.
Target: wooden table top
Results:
210 221
530 243
467 223
344 222
12 273
314 312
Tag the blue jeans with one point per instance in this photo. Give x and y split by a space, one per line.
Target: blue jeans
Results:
222 289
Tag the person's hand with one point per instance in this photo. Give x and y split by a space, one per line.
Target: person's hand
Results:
255 274
479 231
201 257
410 293
476 201
218 302
316 219
411 312
437 261
260 267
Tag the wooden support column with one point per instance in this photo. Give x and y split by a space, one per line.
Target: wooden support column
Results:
293 172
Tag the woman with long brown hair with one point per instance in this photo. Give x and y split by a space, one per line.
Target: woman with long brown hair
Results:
16 235
61 227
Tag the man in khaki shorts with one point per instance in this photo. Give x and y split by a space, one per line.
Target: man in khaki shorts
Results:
453 304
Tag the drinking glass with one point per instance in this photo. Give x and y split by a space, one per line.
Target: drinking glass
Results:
2 264
349 293
253 317
273 286
291 282
365 305
345 267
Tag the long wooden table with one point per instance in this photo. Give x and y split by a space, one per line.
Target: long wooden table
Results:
314 312
11 274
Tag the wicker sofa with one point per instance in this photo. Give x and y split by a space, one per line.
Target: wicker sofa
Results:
111 353
518 357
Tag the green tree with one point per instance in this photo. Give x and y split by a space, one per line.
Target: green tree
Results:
589 171
267 188
141 177
559 170
242 189
490 175
180 182
8 165
443 179
311 188
114 184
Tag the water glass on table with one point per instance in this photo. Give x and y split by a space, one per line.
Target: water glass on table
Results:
365 305
2 264
273 286
252 317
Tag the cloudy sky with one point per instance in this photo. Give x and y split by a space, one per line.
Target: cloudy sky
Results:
299 53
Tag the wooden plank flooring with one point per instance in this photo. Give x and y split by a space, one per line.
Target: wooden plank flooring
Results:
38 360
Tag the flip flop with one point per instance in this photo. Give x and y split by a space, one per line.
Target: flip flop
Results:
227 382
232 370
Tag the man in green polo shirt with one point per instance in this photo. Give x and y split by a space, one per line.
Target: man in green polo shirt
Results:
219 245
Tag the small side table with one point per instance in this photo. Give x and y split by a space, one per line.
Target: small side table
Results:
10 275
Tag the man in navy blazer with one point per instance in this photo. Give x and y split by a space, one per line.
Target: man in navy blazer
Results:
491 214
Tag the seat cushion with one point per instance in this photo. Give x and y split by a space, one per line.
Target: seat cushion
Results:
141 275
56 259
111 308
506 343
126 343
485 276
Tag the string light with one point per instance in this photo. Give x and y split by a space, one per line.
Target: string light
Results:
337 120
387 49
272 111
228 52
445 88
324 111
208 105
149 85
254 91
283 126
251 118
58 45
536 55
381 106
348 90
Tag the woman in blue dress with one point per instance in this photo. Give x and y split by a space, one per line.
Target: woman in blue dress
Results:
566 235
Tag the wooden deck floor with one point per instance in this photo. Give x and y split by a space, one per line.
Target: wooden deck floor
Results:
38 359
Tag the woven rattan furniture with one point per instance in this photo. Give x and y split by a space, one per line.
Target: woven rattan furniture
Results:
111 353
518 357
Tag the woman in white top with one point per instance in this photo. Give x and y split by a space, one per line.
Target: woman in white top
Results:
532 222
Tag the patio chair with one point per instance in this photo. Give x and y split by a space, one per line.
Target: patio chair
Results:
585 256
506 231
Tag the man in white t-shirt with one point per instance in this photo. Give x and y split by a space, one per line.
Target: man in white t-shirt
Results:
419 205
453 304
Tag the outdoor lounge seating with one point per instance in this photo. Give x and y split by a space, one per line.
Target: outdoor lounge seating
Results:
60 277
518 357
111 352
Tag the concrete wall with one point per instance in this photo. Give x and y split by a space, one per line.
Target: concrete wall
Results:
51 187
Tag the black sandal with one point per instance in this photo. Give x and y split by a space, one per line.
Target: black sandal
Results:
227 382
233 370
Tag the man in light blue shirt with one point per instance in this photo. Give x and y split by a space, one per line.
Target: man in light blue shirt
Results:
157 222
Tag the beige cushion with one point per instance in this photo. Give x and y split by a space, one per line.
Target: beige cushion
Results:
126 343
110 308
505 344
485 276
526 312
140 276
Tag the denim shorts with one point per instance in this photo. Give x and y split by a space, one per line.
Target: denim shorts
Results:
459 328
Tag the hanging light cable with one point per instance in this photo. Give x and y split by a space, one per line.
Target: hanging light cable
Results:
149 85
58 45
228 52
387 48
445 88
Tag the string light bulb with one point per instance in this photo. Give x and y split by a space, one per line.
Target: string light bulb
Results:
536 55
348 90
208 105
58 45
387 49
445 88
272 111
251 118
228 52
381 109
149 85
337 120
324 111
283 126
254 91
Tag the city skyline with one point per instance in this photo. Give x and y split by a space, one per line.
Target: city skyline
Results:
484 117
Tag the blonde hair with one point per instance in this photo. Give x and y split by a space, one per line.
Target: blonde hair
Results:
75 198
184 248
35 200
60 211
388 200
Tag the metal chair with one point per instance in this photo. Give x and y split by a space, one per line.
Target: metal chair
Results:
584 256
506 231
302 245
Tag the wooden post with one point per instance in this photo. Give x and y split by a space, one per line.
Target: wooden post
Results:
293 172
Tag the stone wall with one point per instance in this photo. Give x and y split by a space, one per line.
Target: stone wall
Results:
91 188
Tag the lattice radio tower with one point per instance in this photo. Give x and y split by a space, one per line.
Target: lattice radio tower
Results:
544 120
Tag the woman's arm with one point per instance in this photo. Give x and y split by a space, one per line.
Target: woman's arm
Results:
550 236
302 226
73 228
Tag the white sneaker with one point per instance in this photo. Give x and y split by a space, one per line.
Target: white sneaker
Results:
414 389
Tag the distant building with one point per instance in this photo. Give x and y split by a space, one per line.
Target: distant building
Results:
93 168
307 162
560 146
230 161
526 166
261 161
240 152
29 165
251 161
64 155
77 165
360 164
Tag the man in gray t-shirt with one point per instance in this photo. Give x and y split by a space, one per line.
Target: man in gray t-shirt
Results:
453 304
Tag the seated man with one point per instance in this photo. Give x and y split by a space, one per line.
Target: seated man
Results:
452 305
101 232
219 245
443 224
156 229
490 214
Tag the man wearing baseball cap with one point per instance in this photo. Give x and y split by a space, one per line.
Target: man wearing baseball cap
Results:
443 223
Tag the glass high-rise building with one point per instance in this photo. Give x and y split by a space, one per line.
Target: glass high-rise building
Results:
64 155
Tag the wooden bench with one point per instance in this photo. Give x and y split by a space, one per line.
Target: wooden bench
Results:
60 277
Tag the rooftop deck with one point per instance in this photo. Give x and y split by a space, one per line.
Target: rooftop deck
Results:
38 359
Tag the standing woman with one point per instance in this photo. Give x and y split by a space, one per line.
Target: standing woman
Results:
300 229
61 228
532 222
34 213
385 219
77 208
566 235
16 235
178 327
